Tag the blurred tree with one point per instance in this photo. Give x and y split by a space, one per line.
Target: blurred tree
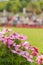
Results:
41 5
2 5
34 7
8 6
18 5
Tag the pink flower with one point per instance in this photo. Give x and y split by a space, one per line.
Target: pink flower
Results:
5 40
17 47
26 45
19 36
14 44
26 54
14 36
30 60
40 59
17 52
34 51
1 38
22 37
11 36
10 42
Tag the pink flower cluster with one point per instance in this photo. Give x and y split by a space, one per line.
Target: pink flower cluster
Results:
8 37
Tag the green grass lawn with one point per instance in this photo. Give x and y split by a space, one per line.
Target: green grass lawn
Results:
35 36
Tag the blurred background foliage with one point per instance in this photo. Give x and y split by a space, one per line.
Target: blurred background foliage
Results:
18 5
